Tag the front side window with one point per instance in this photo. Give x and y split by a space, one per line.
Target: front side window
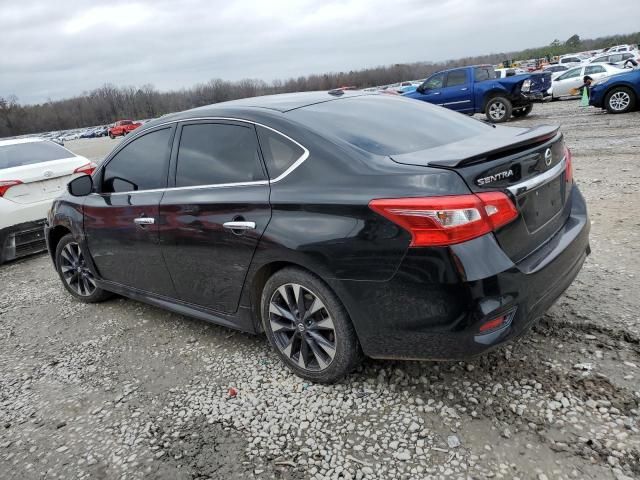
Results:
574 72
484 73
456 77
140 165
216 153
279 153
435 81
615 58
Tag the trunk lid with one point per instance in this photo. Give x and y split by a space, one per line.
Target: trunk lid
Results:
527 164
40 181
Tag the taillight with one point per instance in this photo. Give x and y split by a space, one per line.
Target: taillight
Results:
89 168
568 169
447 220
7 184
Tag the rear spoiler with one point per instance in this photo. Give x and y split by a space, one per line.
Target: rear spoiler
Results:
499 143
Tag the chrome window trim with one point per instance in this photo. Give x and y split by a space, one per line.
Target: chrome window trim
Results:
538 180
294 165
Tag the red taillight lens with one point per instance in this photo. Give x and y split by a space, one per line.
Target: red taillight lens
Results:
568 158
89 168
493 323
447 220
7 184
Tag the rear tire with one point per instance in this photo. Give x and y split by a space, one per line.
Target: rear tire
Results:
523 112
498 109
620 100
308 326
74 272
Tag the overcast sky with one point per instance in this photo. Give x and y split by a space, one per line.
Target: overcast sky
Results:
54 49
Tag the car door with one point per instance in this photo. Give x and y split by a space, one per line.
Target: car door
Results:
456 93
595 71
569 80
121 220
215 214
431 90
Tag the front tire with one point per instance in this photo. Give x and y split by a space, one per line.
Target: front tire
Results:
112 136
498 110
620 100
308 326
523 112
74 272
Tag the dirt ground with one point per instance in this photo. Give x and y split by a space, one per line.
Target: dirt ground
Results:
125 390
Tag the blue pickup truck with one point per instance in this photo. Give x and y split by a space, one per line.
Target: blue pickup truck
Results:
477 89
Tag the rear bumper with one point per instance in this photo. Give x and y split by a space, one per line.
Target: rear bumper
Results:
434 305
23 239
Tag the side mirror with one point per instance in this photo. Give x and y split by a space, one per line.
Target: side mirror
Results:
421 89
81 186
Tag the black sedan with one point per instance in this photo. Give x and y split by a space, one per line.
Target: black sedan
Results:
341 224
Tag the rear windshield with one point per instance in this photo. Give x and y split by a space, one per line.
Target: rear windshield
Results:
21 154
386 125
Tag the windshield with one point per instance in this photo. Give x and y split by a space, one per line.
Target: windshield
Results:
20 154
385 125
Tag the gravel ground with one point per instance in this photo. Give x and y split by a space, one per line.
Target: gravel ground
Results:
125 390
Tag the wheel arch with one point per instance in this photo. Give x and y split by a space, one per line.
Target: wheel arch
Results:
55 235
494 92
628 86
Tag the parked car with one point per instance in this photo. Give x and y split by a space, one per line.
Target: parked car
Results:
617 59
566 85
556 70
618 93
509 72
571 60
122 128
101 131
477 89
33 172
337 223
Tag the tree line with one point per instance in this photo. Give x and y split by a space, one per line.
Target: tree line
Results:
109 103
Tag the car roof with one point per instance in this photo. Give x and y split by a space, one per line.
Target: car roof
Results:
283 102
17 141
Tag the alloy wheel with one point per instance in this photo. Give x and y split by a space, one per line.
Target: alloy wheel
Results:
619 101
302 327
75 271
497 110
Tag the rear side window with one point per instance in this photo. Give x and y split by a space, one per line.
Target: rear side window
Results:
279 152
20 154
456 77
600 60
615 58
140 165
385 125
216 153
594 69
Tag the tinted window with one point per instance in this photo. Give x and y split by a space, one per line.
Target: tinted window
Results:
601 59
385 125
279 153
615 58
215 153
574 72
484 73
435 82
594 69
141 165
457 77
626 56
29 153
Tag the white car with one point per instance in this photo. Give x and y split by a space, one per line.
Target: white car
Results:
571 60
565 84
618 59
33 172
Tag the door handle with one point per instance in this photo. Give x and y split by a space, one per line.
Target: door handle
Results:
144 221
464 89
239 225
436 93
